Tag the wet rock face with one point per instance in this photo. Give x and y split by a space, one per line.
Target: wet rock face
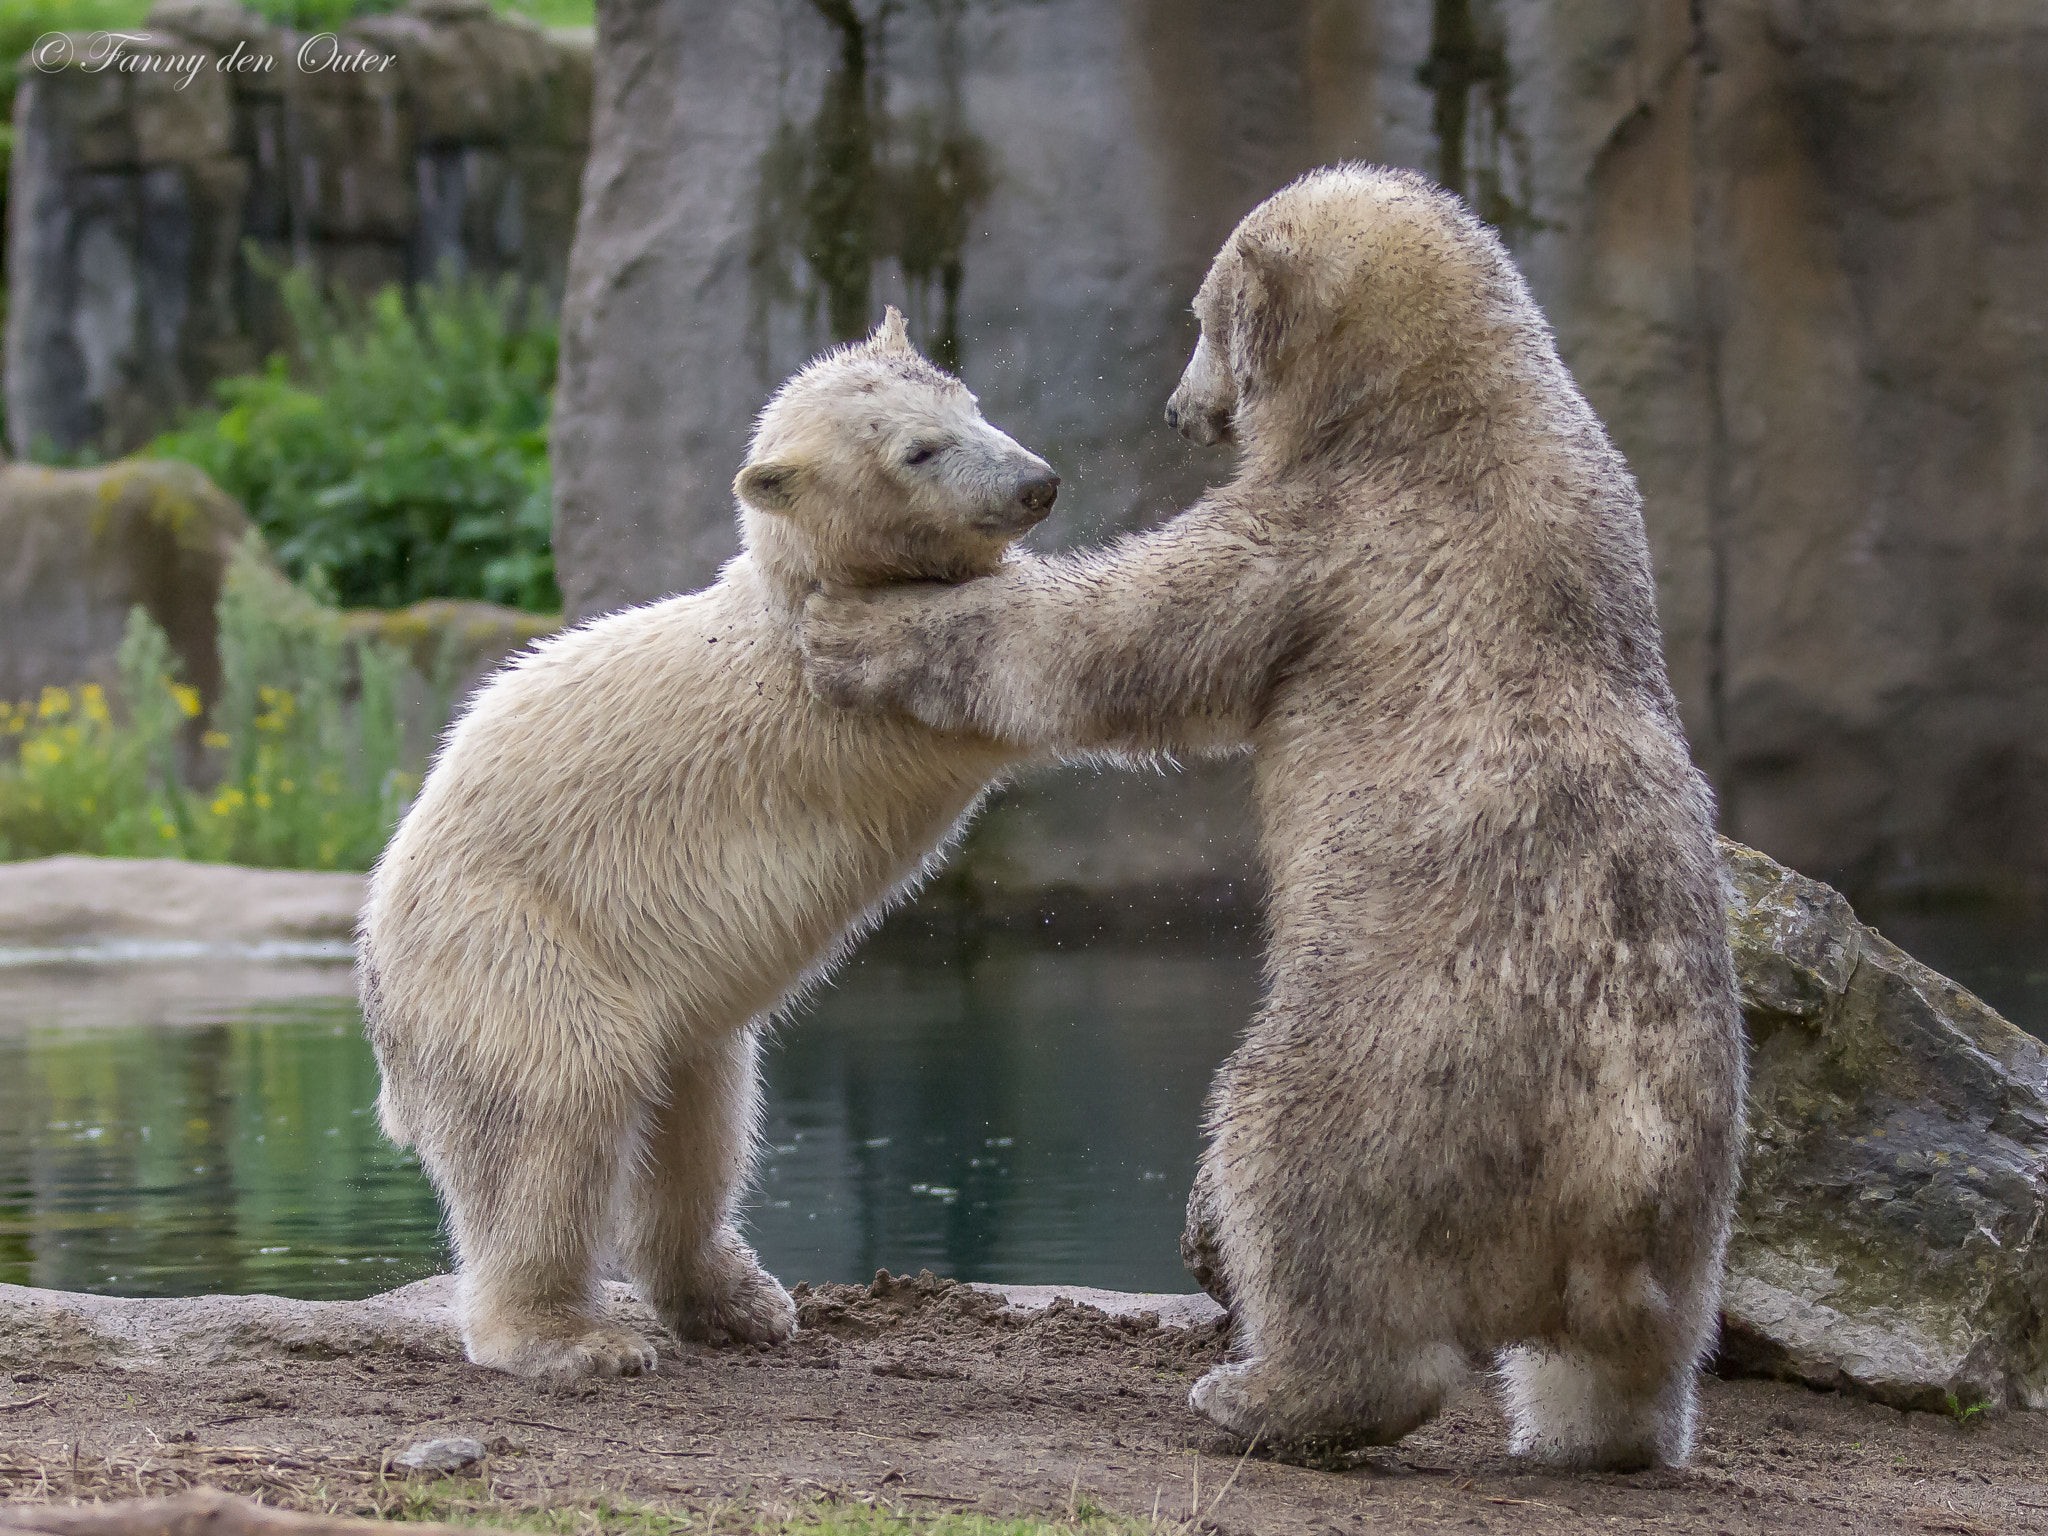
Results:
1791 251
135 191
1893 1230
1892 1233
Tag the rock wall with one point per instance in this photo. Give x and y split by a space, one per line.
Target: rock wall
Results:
1790 248
439 134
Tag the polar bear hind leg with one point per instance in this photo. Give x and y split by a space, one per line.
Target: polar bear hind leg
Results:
526 1134
680 1244
1622 1392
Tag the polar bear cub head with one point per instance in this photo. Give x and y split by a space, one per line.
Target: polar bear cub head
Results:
1351 285
871 465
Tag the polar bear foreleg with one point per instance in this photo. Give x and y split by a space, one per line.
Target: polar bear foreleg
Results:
681 1245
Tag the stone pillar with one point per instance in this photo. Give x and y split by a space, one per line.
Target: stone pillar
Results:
126 206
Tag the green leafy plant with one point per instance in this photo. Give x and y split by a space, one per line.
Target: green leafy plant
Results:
305 754
403 453
1964 1413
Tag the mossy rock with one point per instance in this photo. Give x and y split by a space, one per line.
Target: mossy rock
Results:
1892 1235
80 547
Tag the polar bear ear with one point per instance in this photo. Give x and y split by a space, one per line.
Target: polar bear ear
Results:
892 335
1268 307
770 487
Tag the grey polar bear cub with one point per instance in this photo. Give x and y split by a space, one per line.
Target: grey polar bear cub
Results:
1491 1110
643 836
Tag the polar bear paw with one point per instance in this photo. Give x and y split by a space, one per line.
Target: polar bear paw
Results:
1228 1395
754 1310
563 1356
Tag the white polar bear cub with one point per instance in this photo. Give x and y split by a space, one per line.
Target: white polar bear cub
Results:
643 836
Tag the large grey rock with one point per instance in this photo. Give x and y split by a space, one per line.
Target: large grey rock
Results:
80 548
75 901
1792 250
72 1328
1893 1230
135 191
1791 247
87 942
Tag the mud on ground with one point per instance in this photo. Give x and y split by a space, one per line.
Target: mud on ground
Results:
919 1394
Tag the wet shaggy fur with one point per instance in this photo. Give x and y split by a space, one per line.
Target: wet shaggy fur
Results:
1490 1113
641 838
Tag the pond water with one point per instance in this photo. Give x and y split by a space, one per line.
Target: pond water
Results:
1008 1114
1001 1112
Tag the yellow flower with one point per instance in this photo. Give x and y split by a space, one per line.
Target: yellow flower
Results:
262 801
94 702
286 786
228 800
214 739
55 701
187 697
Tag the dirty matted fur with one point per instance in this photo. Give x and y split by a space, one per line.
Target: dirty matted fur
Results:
1490 1113
642 837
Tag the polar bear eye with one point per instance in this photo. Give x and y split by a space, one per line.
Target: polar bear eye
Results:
921 453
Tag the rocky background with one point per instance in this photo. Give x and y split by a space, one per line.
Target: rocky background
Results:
136 194
1792 249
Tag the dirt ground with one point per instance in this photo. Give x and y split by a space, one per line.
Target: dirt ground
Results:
918 1394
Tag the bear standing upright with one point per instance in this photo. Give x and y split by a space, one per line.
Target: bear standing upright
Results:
638 841
1491 1110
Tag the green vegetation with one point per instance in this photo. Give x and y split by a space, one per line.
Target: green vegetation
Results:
305 755
406 455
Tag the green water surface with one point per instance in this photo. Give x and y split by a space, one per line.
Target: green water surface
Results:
1023 1115
993 1111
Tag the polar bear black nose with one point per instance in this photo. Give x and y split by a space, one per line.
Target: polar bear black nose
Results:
1037 495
